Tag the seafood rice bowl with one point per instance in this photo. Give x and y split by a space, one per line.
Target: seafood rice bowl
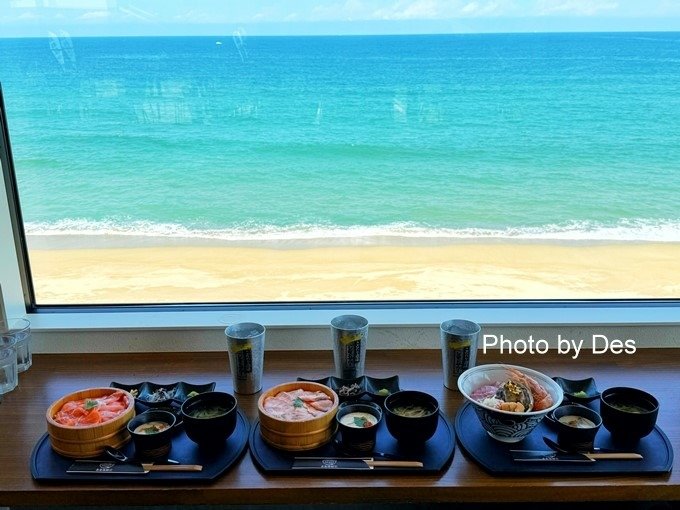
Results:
510 401
298 415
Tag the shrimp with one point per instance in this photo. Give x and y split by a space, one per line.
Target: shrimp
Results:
542 399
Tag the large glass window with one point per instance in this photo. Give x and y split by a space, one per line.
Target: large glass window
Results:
262 153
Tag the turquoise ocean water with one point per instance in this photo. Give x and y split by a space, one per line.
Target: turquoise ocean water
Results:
527 136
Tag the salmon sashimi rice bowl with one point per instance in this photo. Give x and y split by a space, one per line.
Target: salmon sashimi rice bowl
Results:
92 410
297 405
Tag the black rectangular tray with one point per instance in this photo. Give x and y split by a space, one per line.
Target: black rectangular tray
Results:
494 456
49 466
435 454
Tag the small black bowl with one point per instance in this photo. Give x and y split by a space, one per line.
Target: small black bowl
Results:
151 444
213 429
628 414
355 439
411 429
575 434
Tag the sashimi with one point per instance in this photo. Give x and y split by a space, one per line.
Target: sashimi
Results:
92 411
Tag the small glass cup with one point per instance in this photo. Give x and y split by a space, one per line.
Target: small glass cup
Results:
21 330
350 334
245 342
9 376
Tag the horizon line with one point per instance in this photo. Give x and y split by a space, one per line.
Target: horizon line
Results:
415 34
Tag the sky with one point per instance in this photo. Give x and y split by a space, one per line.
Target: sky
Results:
36 18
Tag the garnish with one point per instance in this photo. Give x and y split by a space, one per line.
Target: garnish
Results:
362 422
383 392
580 394
90 404
297 402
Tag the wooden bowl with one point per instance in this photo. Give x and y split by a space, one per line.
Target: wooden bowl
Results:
298 435
89 440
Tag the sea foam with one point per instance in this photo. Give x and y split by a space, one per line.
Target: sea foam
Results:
630 230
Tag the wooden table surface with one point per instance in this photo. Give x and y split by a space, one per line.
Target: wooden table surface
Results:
22 423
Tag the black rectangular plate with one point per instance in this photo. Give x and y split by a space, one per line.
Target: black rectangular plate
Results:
179 391
495 456
49 466
435 454
369 387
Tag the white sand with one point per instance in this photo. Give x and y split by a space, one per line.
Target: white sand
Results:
463 271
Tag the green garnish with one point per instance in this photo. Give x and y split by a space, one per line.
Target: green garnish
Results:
297 402
383 392
90 404
152 430
580 394
362 422
192 394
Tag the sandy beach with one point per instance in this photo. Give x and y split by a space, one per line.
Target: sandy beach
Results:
461 271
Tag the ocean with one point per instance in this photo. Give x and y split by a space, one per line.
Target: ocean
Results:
571 137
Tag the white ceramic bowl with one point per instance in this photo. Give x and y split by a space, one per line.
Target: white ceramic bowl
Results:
506 426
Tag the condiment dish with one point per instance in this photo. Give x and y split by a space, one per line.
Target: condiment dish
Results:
380 388
374 388
580 391
158 395
348 389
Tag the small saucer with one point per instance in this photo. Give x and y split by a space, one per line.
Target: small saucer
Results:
579 391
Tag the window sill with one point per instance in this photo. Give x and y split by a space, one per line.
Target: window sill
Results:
308 329
414 315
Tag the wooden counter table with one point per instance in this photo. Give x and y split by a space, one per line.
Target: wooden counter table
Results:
22 423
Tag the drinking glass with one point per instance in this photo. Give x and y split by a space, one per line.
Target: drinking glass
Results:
350 334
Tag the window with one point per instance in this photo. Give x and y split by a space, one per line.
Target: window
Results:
159 161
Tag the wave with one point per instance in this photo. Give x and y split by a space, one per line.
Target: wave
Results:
627 230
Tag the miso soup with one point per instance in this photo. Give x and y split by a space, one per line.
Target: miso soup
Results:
629 408
208 411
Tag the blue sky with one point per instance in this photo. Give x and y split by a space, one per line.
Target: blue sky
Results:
19 18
